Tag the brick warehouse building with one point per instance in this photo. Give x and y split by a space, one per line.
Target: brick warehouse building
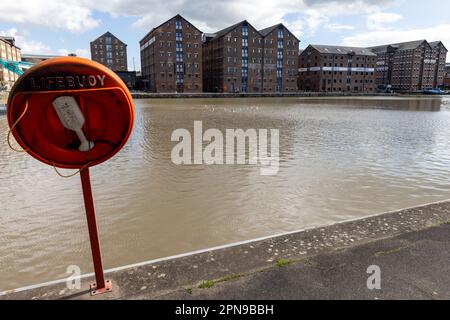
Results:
280 59
233 59
325 68
447 76
171 57
440 57
242 59
409 66
110 51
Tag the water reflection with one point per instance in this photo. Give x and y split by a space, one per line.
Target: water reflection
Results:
340 159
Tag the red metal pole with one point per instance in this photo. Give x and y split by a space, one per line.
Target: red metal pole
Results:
100 286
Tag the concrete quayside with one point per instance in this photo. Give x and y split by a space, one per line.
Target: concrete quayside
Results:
411 246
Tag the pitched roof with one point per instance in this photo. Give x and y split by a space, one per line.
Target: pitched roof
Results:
107 33
176 16
342 50
266 31
223 32
434 44
410 45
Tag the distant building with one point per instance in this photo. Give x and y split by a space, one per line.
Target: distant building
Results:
233 60
128 77
324 68
440 58
447 76
409 66
171 57
9 52
110 51
36 58
280 59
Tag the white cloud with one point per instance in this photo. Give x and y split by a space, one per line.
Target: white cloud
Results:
208 15
26 46
38 47
74 16
366 39
296 27
303 17
336 27
382 20
79 52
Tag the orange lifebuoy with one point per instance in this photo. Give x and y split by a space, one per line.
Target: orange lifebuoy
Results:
101 103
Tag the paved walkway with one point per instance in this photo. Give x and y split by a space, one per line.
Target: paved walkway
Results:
413 266
411 247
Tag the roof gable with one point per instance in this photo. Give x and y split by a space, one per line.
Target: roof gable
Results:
410 45
227 30
265 32
107 33
435 44
178 16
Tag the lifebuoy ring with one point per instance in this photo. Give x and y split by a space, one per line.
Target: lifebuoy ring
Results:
64 104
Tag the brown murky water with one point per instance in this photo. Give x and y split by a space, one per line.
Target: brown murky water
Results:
339 159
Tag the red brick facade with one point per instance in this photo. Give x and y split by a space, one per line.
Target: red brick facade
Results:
336 69
447 76
110 51
233 60
243 59
171 57
410 66
440 57
280 59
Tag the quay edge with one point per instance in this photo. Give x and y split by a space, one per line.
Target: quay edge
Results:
156 279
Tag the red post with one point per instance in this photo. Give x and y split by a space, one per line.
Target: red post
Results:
100 286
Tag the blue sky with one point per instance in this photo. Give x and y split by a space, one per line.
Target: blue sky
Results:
60 27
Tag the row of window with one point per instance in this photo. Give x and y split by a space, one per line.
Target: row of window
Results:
170 54
178 44
101 46
259 60
356 73
341 65
333 58
169 35
171 86
291 72
229 38
109 54
170 75
170 65
108 40
348 81
110 61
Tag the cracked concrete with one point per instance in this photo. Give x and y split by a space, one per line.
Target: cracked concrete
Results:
411 246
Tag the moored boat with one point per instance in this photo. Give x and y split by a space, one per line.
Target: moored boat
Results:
434 91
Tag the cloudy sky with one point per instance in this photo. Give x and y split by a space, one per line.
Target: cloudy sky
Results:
61 27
